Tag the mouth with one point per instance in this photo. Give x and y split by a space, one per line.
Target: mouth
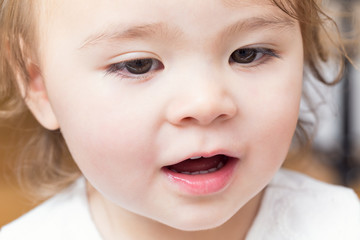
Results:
200 165
201 175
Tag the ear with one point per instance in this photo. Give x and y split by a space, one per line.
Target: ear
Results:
36 98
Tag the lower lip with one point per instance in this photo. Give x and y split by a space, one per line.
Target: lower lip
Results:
203 184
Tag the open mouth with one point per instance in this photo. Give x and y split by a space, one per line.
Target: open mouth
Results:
200 165
201 175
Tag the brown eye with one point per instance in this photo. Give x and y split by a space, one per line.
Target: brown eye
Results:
142 67
244 55
139 66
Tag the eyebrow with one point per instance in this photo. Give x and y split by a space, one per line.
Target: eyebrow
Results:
134 32
112 34
264 22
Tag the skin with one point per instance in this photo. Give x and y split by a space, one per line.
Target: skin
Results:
122 129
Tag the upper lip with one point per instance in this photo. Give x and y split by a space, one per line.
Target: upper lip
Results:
206 154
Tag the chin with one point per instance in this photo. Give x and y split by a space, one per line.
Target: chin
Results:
199 225
198 222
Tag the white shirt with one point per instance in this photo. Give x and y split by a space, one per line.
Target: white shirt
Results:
65 216
294 207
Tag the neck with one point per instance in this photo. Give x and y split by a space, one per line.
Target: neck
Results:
114 222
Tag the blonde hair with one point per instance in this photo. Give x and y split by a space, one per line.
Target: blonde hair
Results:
45 164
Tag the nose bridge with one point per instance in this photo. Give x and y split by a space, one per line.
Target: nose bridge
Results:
207 93
202 98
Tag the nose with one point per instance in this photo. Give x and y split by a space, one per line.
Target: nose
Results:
202 104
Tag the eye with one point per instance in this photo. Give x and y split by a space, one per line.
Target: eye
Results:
139 66
250 55
246 55
136 67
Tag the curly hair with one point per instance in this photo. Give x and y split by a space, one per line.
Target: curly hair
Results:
45 165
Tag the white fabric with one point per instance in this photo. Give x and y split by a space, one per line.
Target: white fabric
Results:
66 216
294 207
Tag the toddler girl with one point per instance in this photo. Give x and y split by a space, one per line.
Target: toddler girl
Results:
178 115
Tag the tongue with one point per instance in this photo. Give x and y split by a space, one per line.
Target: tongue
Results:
201 164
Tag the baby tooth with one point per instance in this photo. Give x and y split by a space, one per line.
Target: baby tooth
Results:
204 172
188 173
195 173
193 158
220 165
212 169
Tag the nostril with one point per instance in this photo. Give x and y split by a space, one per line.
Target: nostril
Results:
188 119
223 116
204 119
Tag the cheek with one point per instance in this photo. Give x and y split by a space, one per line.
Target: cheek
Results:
107 141
109 151
275 113
108 136
279 100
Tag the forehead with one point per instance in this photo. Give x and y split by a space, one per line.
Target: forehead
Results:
51 9
71 13
63 21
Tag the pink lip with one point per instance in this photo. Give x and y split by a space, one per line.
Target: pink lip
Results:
203 184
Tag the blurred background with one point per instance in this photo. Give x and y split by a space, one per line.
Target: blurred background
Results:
334 156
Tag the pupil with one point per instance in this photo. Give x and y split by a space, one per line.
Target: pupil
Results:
140 66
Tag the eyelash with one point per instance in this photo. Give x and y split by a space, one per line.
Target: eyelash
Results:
123 69
266 54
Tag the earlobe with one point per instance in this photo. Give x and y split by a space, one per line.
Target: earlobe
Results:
37 100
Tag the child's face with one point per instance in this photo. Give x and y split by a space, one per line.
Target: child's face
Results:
192 94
